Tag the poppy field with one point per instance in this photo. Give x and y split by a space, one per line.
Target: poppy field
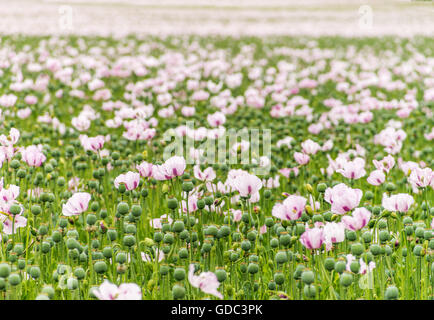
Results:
187 167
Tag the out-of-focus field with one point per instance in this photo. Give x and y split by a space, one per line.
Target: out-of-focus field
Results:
252 17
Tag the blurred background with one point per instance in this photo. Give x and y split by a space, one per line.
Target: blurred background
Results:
224 17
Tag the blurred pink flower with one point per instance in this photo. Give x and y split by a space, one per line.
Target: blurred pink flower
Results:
342 198
247 184
301 158
376 178
385 164
290 209
130 179
145 169
126 291
33 156
312 238
399 202
77 204
421 177
206 175
353 169
359 219
206 281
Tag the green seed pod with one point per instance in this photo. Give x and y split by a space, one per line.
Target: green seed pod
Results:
72 283
112 234
179 274
45 247
279 278
367 237
178 226
307 277
136 210
5 270
284 239
121 257
340 266
346 279
183 253
418 250
164 270
129 240
123 208
274 243
321 187
79 273
419 232
172 203
351 235
178 292
91 219
107 252
355 266
384 235
100 267
21 263
253 268
392 293
246 245
221 275
14 279
357 249
48 290
309 291
329 263
272 285
130 229
281 257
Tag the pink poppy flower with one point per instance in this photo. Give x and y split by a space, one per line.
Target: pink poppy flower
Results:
301 158
175 166
385 164
206 281
310 147
126 291
20 222
77 204
33 156
130 179
376 178
333 233
421 178
353 169
92 143
397 203
359 219
24 113
207 175
192 204
216 119
312 238
237 214
342 198
145 169
11 139
81 123
290 209
247 184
